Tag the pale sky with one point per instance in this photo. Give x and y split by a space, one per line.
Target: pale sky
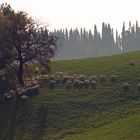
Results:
80 13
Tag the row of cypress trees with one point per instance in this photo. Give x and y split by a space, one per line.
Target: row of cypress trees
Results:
77 43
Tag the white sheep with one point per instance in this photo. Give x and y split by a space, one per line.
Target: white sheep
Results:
68 85
24 97
113 78
125 86
94 78
71 78
64 79
52 84
93 84
82 77
58 80
139 86
86 84
76 84
52 77
12 93
81 85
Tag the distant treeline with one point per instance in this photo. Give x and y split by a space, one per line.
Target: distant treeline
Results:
82 43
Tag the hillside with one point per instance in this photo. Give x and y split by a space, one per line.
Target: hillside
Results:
59 114
125 129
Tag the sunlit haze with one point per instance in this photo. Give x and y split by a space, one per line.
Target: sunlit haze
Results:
80 13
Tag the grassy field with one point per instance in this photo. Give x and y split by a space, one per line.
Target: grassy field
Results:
125 129
105 113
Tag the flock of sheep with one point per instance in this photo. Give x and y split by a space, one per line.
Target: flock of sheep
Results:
79 82
30 88
60 79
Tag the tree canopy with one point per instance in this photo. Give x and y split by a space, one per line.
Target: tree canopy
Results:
28 40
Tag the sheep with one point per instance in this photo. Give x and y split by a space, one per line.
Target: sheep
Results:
94 78
64 79
58 80
86 84
139 86
93 84
52 84
68 85
12 93
81 84
52 77
125 86
22 91
71 78
59 74
81 77
113 78
75 76
24 97
39 77
33 88
45 77
7 96
65 73
76 84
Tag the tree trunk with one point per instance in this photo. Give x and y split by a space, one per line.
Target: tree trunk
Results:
20 73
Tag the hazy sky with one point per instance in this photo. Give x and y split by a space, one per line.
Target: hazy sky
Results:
80 13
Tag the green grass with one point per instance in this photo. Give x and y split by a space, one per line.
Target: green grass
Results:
60 114
125 129
117 64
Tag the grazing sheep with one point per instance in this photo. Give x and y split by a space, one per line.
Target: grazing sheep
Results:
94 78
68 85
65 73
71 78
125 86
82 77
75 76
113 78
22 91
7 96
58 80
76 84
52 84
12 93
87 84
60 74
64 79
139 86
24 97
33 90
45 76
81 85
52 77
93 84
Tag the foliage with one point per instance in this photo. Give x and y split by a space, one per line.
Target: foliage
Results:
81 43
30 40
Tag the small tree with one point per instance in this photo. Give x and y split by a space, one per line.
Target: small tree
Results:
29 40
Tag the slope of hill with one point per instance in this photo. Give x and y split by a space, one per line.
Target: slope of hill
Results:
59 114
125 129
